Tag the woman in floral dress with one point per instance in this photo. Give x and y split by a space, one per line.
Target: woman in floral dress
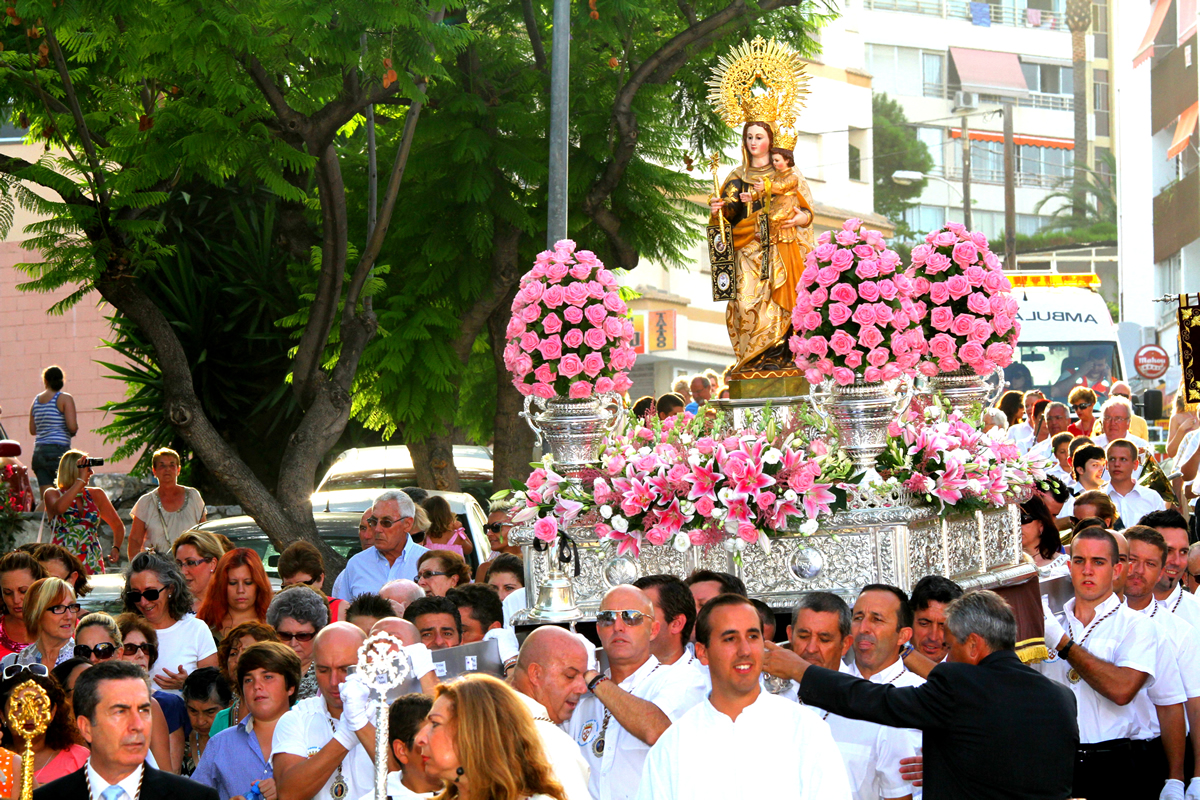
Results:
75 511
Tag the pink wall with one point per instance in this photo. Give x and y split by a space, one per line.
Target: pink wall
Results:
31 340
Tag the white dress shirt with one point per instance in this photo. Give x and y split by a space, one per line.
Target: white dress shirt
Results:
570 768
1138 503
1022 436
398 791
367 571
1124 638
872 752
1184 605
305 729
1167 687
616 773
129 783
774 749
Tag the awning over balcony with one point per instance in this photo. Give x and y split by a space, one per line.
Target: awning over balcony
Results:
988 72
1018 139
1146 48
1183 130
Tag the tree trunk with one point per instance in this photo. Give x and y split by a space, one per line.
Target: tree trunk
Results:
433 459
1079 18
512 445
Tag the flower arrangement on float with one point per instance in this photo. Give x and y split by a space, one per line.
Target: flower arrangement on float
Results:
946 461
569 335
956 290
674 483
848 317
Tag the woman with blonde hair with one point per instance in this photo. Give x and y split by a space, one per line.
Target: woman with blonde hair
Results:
74 511
50 616
480 741
160 516
196 555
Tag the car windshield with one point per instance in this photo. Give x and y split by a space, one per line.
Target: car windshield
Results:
1056 368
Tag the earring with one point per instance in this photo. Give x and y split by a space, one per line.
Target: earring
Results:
460 774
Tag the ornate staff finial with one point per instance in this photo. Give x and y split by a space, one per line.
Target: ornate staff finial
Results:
28 717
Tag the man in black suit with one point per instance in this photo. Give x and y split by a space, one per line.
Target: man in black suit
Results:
112 709
992 727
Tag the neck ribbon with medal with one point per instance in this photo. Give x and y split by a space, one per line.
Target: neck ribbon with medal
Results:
598 745
1072 674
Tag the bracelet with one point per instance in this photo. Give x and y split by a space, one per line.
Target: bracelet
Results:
1066 648
596 681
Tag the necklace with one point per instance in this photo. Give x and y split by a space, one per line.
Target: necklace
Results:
1178 600
8 643
1072 674
339 788
137 793
894 678
598 745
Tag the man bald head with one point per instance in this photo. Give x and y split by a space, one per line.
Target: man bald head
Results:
625 625
402 629
335 650
550 669
399 593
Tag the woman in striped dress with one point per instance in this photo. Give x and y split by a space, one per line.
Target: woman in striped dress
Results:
52 421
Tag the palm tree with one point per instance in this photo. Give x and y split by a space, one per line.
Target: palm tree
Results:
1079 17
1090 201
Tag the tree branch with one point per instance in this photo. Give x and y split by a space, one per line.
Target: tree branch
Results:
292 120
77 113
535 36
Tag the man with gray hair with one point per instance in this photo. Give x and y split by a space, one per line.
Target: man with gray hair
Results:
1116 415
701 394
976 710
399 593
393 556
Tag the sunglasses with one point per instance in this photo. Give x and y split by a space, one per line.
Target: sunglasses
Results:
629 616
1080 406
151 595
494 527
386 522
103 651
13 670
191 563
63 608
427 574
1027 518
308 582
299 637
130 650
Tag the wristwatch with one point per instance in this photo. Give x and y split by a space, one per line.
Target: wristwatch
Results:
1066 648
596 681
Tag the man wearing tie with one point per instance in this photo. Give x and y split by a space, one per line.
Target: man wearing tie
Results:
112 709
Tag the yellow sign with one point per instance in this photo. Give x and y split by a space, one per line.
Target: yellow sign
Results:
653 331
1081 281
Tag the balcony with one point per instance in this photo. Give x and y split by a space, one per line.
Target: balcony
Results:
1177 216
961 10
996 176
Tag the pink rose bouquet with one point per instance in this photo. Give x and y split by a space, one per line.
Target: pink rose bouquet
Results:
957 292
848 316
569 335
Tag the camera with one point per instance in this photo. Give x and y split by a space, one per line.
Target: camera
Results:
91 462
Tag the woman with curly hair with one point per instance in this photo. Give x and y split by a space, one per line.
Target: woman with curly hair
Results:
57 752
238 592
480 741
137 642
439 571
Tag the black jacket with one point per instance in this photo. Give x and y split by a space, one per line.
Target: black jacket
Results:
995 730
156 785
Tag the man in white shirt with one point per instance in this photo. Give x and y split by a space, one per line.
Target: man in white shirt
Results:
1147 551
315 751
675 611
394 555
549 679
1022 432
629 706
1104 652
1058 419
741 736
408 781
928 602
1169 589
1115 416
1132 501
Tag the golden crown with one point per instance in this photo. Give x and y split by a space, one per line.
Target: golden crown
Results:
761 80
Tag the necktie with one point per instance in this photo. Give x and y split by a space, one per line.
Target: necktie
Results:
113 793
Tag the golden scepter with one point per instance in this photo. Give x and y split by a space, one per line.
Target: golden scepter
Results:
28 716
715 162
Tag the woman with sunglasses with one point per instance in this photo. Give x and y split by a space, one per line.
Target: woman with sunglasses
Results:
18 571
59 750
232 646
439 571
137 643
1040 539
156 591
297 613
196 555
98 638
50 614
499 523
301 563
238 592
1083 402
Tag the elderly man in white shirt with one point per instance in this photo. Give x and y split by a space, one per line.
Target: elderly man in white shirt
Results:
724 744
1115 416
1105 653
394 555
1132 500
629 706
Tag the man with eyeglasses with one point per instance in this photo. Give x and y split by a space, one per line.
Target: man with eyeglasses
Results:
631 704
1137 424
1116 416
393 554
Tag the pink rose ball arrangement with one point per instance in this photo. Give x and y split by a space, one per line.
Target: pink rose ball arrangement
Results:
569 335
848 316
957 292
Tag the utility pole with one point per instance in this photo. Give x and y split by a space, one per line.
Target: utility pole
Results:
1010 192
560 75
966 171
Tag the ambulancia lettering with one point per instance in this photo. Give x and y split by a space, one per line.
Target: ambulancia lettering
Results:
1057 316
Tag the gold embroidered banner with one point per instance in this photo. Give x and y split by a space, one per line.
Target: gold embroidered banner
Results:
1189 347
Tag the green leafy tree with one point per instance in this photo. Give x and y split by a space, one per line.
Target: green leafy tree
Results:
1086 199
896 148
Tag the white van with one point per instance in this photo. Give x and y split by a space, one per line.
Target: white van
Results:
1065 327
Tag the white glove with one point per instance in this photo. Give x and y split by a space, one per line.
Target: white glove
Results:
356 702
506 642
421 658
1172 790
1054 629
343 734
1193 791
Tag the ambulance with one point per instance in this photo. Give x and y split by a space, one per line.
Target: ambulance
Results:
1068 337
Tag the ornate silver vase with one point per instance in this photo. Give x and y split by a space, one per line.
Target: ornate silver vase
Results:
964 389
860 414
573 429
